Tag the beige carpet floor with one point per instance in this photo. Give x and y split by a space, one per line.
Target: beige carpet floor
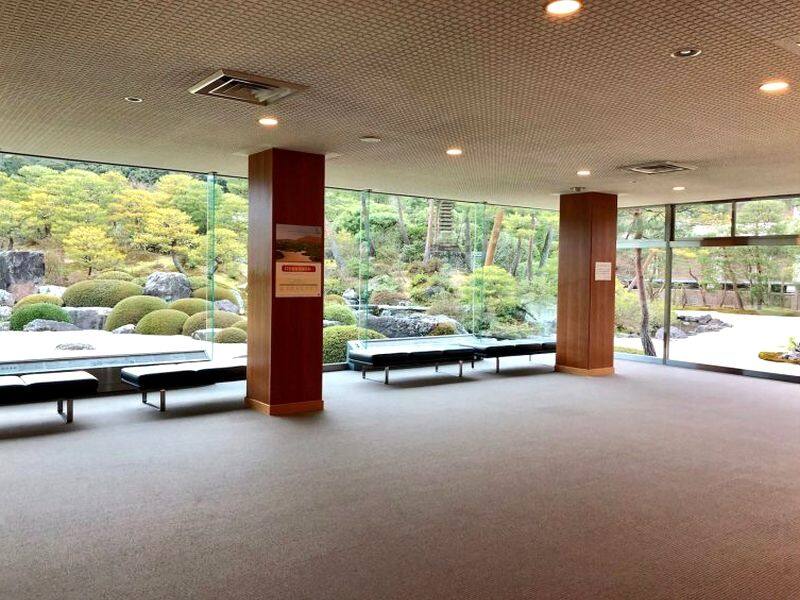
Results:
656 483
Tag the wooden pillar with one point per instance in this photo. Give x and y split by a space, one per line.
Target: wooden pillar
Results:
586 266
284 344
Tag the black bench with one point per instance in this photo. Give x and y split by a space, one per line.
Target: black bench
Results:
160 378
46 387
497 349
402 354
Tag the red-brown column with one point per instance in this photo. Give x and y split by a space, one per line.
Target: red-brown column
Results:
284 362
586 265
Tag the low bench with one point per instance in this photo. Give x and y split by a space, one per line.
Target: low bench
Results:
497 349
46 387
160 378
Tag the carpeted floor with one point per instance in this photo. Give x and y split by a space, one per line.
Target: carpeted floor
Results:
656 483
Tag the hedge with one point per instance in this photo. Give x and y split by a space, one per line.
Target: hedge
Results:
100 292
443 329
162 322
191 306
335 299
204 320
114 275
338 313
39 299
241 325
131 310
230 335
334 341
26 314
220 293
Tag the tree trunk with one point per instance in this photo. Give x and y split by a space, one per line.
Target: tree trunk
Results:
176 261
401 224
547 247
10 243
731 275
700 288
517 258
491 247
644 328
430 232
333 245
467 245
529 266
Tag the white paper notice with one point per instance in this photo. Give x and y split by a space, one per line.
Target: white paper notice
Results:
602 271
298 279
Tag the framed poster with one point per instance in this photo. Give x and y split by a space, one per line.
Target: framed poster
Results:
298 261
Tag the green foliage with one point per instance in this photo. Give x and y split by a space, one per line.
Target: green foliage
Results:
100 292
443 329
628 312
168 231
425 286
117 275
338 313
39 299
241 325
334 341
131 310
92 248
230 335
198 281
494 288
387 298
219 319
26 314
220 293
165 321
334 299
191 306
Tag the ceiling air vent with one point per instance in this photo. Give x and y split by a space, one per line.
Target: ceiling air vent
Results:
656 168
235 85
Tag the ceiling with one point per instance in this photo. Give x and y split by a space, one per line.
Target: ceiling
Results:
530 100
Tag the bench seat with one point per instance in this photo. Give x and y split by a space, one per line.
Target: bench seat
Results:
45 387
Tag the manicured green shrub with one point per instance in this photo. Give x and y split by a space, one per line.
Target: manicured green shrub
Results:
241 325
230 335
390 298
115 275
100 292
334 341
39 299
340 314
220 293
198 281
191 306
443 329
205 320
334 299
26 314
131 310
162 322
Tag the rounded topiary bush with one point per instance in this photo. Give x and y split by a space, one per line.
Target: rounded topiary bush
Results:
443 329
115 275
26 314
100 292
198 281
131 310
39 299
162 322
220 293
334 299
230 335
241 325
205 320
340 314
334 341
191 306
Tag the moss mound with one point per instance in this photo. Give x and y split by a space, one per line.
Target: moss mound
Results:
162 322
338 313
198 281
220 293
39 299
100 292
230 335
131 310
25 314
191 306
204 320
334 341
114 275
241 325
777 357
334 299
443 329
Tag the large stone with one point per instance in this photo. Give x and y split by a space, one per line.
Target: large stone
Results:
226 306
53 290
327 323
88 317
75 346
125 329
204 335
351 297
21 271
6 298
47 325
5 326
675 333
411 325
5 313
168 286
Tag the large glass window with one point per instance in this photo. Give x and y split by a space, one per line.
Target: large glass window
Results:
704 220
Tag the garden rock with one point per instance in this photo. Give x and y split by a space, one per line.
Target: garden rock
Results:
168 286
47 325
53 290
327 323
227 306
125 329
351 297
5 326
88 317
675 333
5 313
411 325
204 335
74 346
21 271
6 298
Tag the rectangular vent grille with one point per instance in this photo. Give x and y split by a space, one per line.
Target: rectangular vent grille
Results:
657 168
235 85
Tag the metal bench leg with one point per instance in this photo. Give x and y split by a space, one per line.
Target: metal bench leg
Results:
473 364
460 368
144 397
386 376
363 373
162 405
68 416
497 366
530 358
436 367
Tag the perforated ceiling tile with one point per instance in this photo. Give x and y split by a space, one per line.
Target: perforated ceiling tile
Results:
530 100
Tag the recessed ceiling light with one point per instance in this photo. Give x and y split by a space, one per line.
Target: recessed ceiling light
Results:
134 99
370 139
678 188
268 121
562 8
584 173
454 151
686 53
775 86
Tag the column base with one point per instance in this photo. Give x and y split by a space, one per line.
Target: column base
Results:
601 372
289 408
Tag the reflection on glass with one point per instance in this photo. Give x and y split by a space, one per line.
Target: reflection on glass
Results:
776 216
694 221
